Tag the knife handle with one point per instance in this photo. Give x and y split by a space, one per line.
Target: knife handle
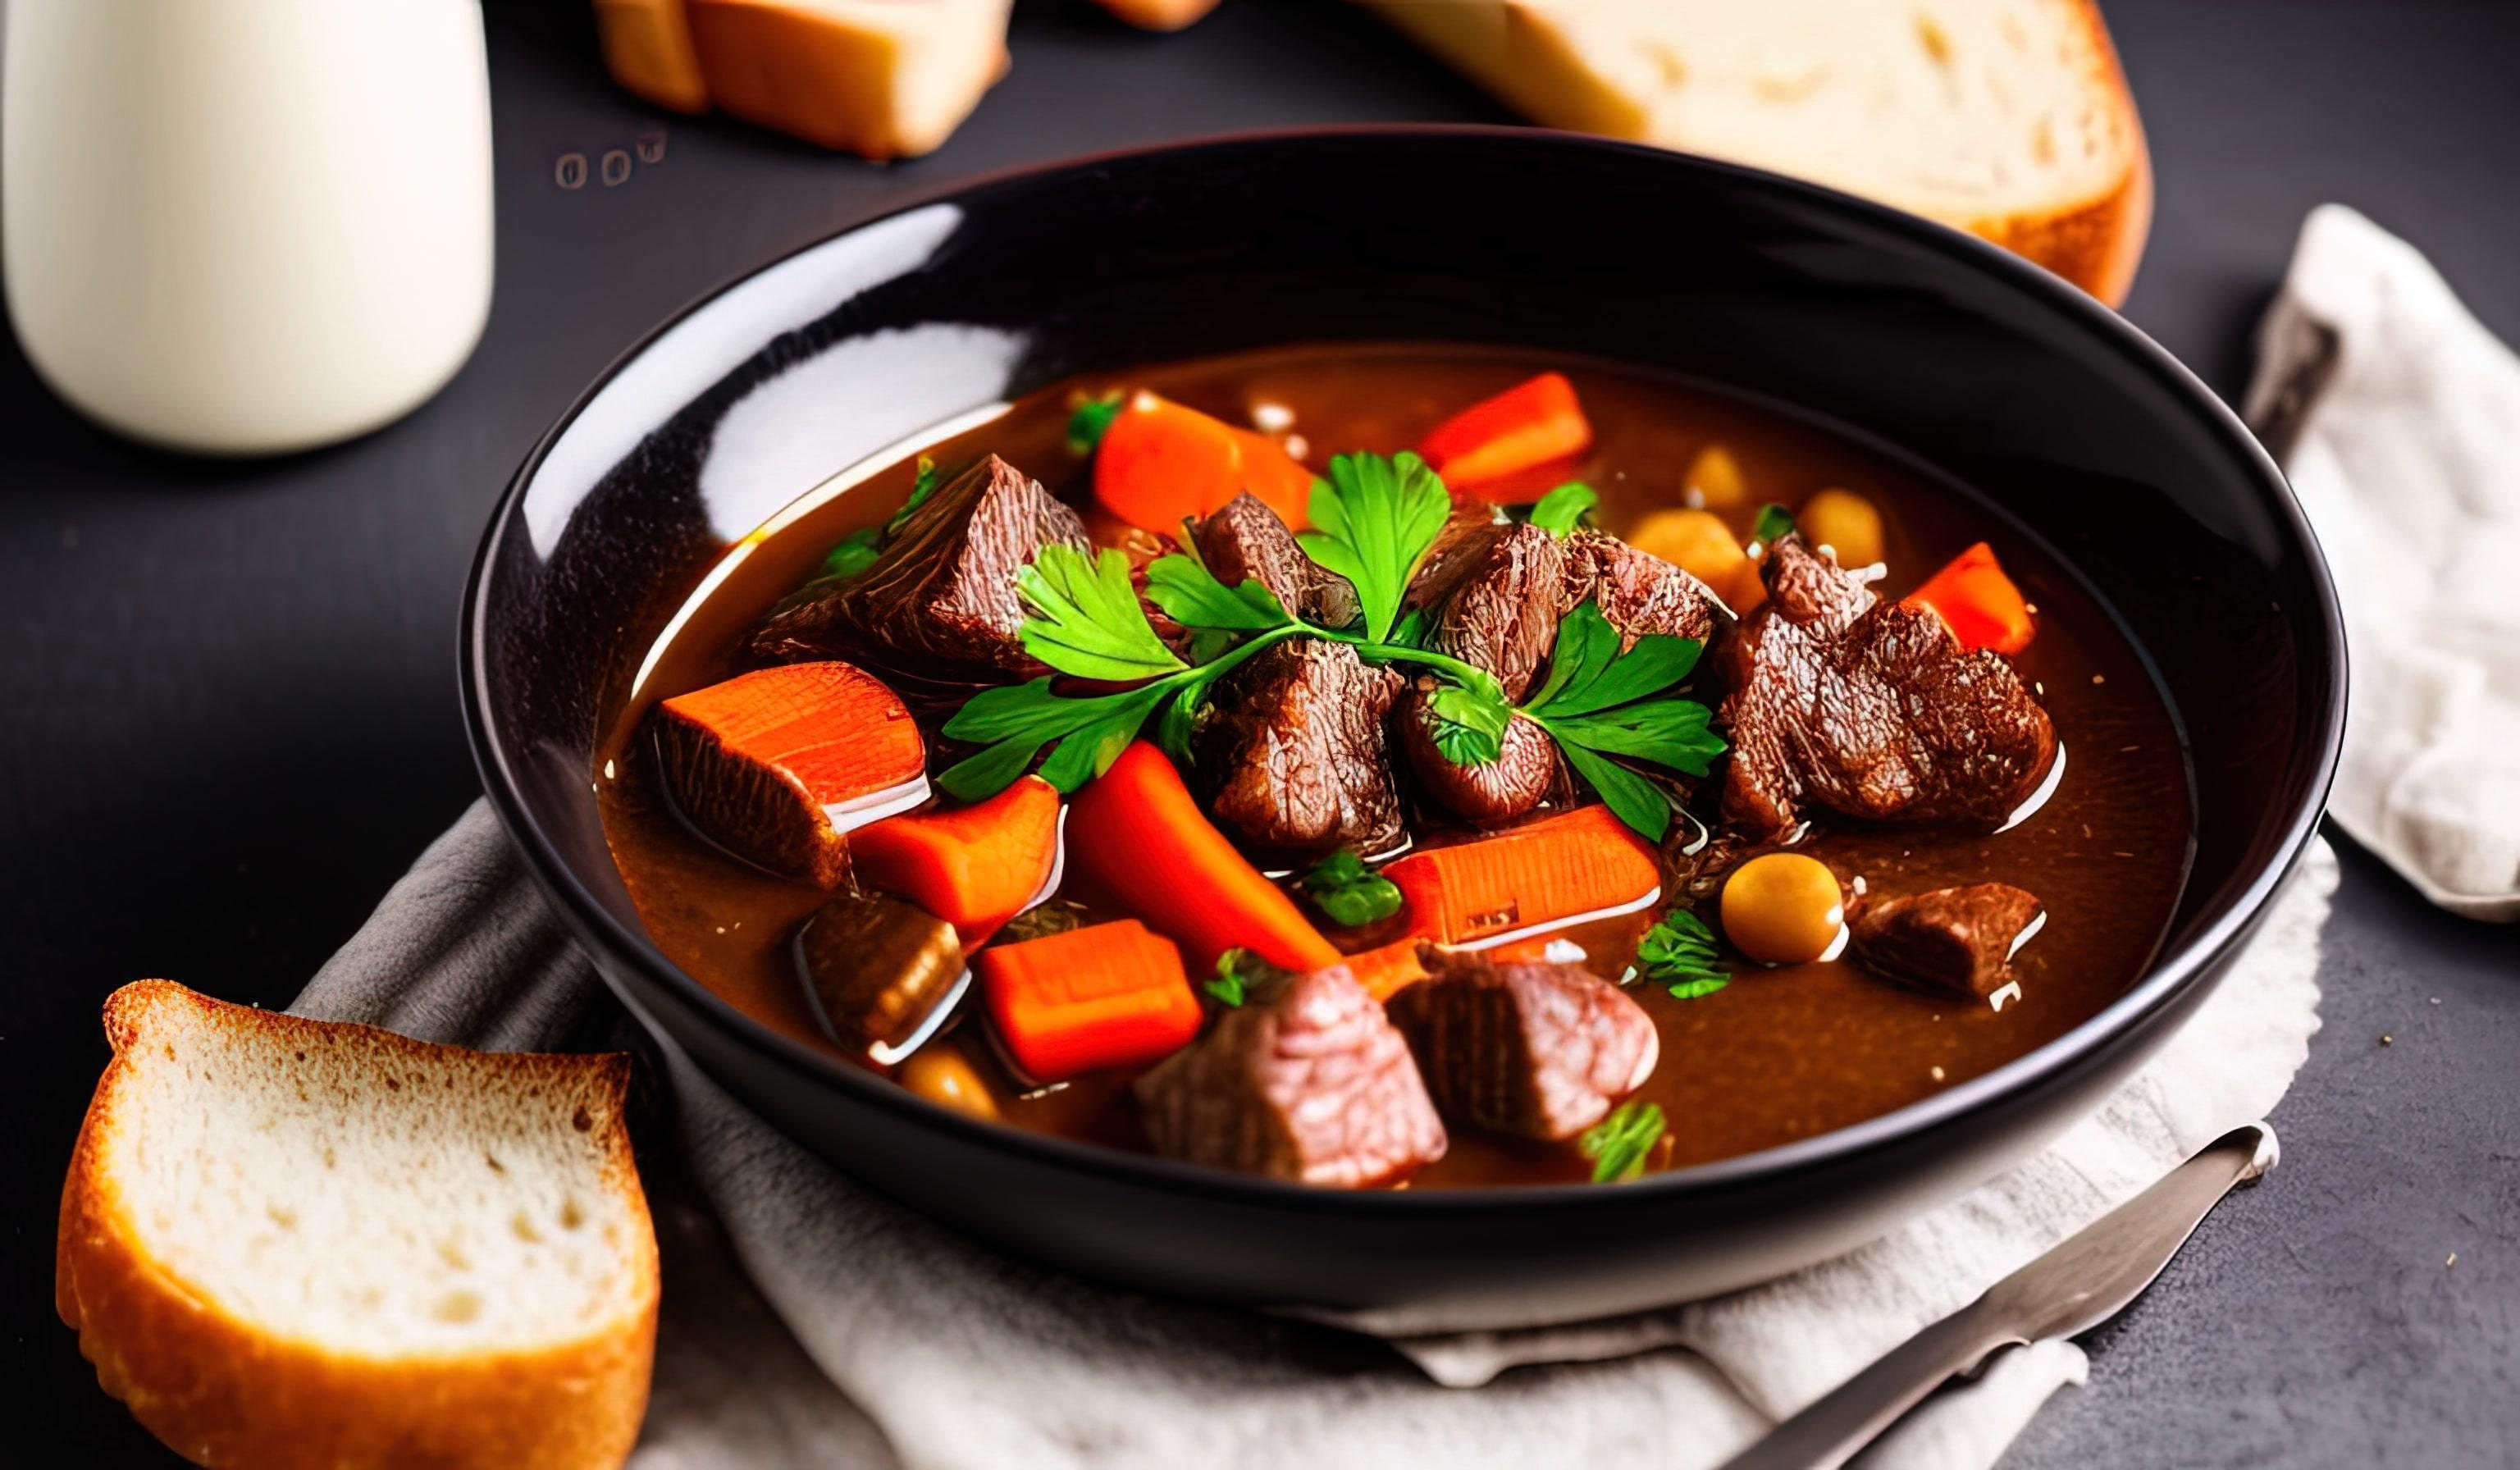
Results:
1848 1416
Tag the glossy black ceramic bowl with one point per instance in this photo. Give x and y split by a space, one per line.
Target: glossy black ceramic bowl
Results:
1949 349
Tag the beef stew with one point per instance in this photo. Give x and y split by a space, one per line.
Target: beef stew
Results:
1546 675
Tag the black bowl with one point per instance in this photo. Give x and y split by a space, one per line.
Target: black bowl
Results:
1950 350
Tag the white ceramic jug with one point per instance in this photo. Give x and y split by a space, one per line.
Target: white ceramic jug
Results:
246 226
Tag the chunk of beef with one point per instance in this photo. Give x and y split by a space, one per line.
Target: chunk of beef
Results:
1869 709
1953 939
1526 771
1291 755
1246 542
938 609
1308 1083
1639 592
1536 1050
1494 597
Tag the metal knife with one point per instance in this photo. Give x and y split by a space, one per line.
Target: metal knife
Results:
2082 1282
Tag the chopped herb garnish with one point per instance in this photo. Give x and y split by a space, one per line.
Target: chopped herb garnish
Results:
1599 703
1352 894
864 547
1679 951
1086 617
1561 509
1380 516
1373 520
1087 425
1227 985
1775 524
1618 1144
1469 728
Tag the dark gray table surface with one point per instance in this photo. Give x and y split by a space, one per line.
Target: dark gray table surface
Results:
228 690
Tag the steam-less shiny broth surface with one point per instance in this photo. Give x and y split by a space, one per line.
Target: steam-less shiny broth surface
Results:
1777 1054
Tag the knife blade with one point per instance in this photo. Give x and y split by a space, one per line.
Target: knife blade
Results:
2081 1282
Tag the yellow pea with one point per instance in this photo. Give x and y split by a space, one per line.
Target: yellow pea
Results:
940 1075
1715 480
1846 524
1784 909
1698 543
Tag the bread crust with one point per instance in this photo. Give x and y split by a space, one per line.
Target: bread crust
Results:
222 1392
1518 54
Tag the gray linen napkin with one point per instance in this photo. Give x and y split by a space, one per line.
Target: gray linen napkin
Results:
809 1322
2397 416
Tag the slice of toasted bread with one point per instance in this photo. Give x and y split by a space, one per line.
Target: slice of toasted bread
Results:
293 1243
2005 117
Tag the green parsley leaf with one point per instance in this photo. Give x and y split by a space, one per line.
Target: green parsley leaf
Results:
1587 672
1191 595
1618 1144
1775 524
1227 984
862 548
1679 951
1373 520
1669 733
1087 620
1352 894
1413 630
1091 421
1561 508
1013 722
1470 727
1631 799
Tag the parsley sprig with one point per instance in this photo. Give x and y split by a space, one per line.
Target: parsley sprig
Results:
1561 510
1679 951
1599 703
1618 1144
1086 621
1352 894
862 547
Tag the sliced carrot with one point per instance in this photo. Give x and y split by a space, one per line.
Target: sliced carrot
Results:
1159 463
1088 1000
1545 875
1136 834
1486 444
776 764
1388 969
1978 603
974 868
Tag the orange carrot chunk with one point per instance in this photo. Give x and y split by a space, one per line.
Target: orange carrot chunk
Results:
975 867
1978 603
1135 835
1388 969
1088 1000
776 765
1528 425
1546 875
1159 462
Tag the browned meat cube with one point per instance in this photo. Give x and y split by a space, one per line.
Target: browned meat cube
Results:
1953 939
1536 1050
1638 592
1527 769
1494 593
1308 1083
938 611
879 972
1246 542
1869 710
1290 754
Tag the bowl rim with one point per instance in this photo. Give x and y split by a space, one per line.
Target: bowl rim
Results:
2171 973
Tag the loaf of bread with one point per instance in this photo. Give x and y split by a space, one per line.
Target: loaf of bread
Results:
882 78
286 1243
2005 117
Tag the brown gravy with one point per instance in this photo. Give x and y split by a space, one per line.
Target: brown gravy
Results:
1780 1054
